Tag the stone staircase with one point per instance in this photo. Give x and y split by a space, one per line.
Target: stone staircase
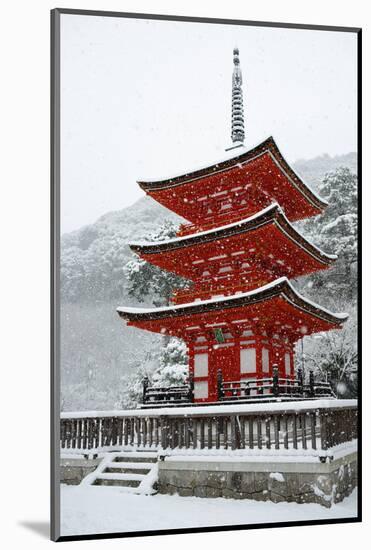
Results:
133 471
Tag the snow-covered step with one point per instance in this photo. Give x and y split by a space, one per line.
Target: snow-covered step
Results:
134 457
132 465
117 475
123 480
133 470
110 470
136 452
125 484
129 467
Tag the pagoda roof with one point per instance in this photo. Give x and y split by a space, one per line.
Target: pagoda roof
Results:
278 295
184 184
162 251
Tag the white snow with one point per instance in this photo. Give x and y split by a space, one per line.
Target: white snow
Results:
146 485
277 476
119 476
219 409
92 509
320 493
272 284
260 455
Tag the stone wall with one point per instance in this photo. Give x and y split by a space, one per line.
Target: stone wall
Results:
73 470
322 483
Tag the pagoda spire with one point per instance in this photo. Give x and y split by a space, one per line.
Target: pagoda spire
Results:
238 128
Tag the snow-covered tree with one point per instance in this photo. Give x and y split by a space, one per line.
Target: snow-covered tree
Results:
72 273
146 280
335 231
338 224
167 366
84 277
172 369
163 367
333 357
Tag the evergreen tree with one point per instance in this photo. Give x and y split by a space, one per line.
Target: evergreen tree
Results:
335 232
146 280
167 366
172 369
333 357
163 367
338 224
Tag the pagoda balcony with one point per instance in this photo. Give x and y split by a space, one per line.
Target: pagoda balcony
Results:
266 388
255 390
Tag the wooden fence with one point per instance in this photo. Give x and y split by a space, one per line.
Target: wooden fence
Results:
305 428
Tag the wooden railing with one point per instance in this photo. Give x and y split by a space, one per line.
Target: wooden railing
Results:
165 396
266 388
318 426
261 389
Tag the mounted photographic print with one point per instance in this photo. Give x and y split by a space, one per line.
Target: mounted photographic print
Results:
205 289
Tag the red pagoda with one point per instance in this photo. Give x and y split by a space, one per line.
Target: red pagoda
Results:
241 317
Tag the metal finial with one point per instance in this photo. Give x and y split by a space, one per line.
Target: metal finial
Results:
238 128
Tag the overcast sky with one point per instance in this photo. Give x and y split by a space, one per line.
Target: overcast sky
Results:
147 99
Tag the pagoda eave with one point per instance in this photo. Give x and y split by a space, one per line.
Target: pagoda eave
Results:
273 306
268 232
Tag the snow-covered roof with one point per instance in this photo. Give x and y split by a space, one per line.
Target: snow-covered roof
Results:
232 154
267 146
272 213
280 287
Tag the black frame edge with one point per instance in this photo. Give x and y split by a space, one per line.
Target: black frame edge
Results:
195 19
359 267
214 529
54 275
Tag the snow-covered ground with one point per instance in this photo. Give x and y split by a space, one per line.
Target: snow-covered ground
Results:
92 509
